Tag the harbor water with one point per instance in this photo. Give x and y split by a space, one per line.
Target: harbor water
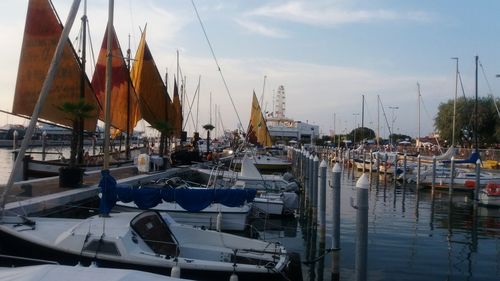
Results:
411 235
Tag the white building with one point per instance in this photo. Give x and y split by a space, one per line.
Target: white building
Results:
284 129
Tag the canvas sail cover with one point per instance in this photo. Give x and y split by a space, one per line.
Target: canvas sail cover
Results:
177 112
123 100
154 101
41 35
258 133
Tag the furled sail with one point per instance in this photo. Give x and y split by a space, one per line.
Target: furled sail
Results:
154 101
124 103
41 34
258 133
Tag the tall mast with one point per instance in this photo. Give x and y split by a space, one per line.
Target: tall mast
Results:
108 87
476 125
83 77
418 116
454 105
127 140
378 121
362 117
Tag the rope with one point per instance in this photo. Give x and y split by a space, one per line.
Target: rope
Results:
316 259
217 63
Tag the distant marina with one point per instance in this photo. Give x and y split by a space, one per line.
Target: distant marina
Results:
413 235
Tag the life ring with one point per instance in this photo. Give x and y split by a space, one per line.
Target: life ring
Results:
493 189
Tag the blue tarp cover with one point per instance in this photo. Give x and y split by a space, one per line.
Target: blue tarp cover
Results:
190 199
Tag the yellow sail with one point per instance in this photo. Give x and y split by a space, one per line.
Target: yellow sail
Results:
41 34
154 101
124 103
258 133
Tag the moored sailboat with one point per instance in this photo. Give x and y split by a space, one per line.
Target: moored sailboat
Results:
40 39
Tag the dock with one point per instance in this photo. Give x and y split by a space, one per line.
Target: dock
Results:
40 195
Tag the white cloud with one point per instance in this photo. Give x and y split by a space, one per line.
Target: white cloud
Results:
261 29
324 14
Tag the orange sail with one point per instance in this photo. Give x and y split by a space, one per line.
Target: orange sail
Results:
177 112
123 100
41 34
154 101
258 133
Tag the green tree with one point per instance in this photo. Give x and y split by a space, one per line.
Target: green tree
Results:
208 127
165 129
361 132
76 111
488 122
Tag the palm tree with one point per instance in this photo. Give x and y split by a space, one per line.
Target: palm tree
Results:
208 127
165 129
72 176
76 111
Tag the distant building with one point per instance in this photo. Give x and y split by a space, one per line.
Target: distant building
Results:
283 129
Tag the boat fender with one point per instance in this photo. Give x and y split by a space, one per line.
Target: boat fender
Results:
493 188
175 272
218 226
233 277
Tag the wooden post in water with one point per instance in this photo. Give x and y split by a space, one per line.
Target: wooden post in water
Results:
310 181
361 228
315 188
322 203
336 185
433 186
306 178
386 169
371 166
405 158
419 164
395 175
478 181
452 177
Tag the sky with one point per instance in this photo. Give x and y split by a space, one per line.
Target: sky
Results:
326 53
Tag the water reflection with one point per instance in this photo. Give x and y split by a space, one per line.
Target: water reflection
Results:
442 238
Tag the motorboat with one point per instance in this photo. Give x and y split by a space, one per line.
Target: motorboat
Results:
147 241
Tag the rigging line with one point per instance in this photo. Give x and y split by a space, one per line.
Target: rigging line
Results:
190 105
217 63
91 46
489 88
385 116
461 83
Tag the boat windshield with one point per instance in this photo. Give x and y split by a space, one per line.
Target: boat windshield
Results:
150 226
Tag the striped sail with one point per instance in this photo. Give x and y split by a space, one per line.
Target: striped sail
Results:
123 100
41 34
